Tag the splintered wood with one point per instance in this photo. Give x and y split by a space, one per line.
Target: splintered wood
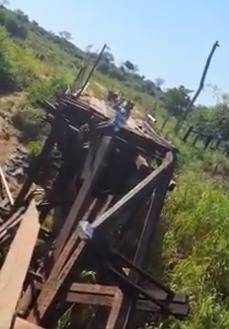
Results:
93 177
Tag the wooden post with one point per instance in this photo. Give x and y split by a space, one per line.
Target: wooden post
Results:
84 193
189 131
147 236
208 141
73 248
195 139
92 70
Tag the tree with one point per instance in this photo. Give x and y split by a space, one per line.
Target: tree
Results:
4 3
130 66
159 82
176 100
15 28
108 57
21 15
7 77
148 87
222 121
65 35
106 64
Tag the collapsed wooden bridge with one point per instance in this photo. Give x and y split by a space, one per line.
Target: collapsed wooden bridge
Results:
104 193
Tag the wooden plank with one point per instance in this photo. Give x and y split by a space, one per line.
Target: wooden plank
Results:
15 267
54 282
5 184
115 310
62 269
152 219
139 191
94 294
93 289
11 223
148 229
88 299
134 136
83 194
177 309
23 324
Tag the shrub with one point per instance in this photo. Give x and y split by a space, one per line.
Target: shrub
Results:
30 123
40 90
7 77
34 148
13 25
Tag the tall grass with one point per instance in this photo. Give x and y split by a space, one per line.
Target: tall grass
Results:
196 250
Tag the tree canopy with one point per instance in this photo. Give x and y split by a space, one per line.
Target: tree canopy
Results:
176 100
65 35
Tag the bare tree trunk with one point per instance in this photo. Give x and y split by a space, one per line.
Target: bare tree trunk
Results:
202 80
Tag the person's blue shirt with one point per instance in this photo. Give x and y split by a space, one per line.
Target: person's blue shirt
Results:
120 118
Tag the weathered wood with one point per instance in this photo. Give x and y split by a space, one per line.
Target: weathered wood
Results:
62 269
15 267
139 191
54 282
6 187
189 131
88 299
92 70
94 294
195 139
148 230
84 192
202 80
152 219
115 310
47 295
28 296
93 289
176 309
23 324
207 142
11 222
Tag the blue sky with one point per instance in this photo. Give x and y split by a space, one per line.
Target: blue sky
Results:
165 38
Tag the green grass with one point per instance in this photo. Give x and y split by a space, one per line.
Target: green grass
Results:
195 253
196 249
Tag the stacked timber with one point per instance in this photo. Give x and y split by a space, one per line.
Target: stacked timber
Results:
104 200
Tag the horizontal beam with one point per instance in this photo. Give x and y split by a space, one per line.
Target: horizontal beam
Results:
89 299
93 289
